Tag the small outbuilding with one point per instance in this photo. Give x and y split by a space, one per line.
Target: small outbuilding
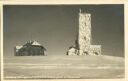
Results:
72 51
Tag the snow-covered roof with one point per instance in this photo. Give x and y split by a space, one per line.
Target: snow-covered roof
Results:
36 43
19 47
31 42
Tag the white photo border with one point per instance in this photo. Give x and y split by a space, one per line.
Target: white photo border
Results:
65 2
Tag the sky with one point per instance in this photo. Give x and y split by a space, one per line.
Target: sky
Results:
56 27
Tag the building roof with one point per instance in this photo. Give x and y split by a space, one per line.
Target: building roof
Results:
35 43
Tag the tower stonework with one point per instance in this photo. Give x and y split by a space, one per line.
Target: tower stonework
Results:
84 37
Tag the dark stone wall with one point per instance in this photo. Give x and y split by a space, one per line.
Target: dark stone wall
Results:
30 50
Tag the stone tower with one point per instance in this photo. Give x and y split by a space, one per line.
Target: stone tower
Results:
84 37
